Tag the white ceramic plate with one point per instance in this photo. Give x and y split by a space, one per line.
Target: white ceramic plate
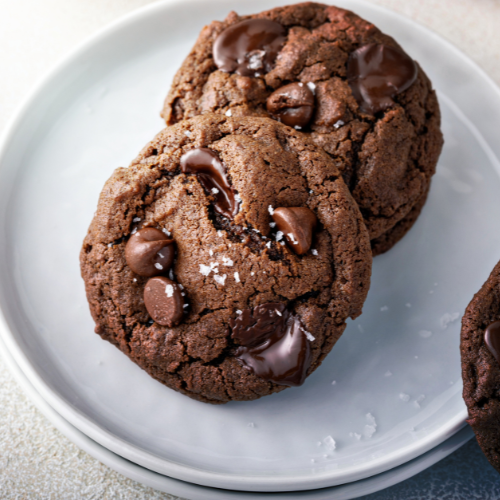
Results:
194 492
398 388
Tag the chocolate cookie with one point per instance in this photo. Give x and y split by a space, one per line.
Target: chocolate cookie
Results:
336 78
480 351
226 259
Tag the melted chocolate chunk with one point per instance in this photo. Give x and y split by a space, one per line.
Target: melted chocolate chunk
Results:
376 73
297 224
149 252
213 176
292 105
164 301
273 344
492 339
249 48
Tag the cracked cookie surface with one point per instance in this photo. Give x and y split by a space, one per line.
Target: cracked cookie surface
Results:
481 369
387 159
225 266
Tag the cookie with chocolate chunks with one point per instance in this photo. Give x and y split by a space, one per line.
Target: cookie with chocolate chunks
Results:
480 353
336 78
242 311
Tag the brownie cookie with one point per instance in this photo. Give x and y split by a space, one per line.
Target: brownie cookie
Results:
226 259
480 352
339 80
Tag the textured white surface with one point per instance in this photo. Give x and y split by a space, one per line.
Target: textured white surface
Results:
35 460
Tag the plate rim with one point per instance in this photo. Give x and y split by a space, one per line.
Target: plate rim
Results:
136 454
177 487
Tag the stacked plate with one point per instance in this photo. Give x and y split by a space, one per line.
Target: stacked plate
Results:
389 395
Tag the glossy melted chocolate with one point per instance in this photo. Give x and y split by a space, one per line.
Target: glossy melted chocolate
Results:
376 73
213 176
492 339
249 48
273 344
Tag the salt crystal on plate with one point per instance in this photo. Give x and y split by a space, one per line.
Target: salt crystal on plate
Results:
447 318
384 308
425 334
388 374
404 397
330 443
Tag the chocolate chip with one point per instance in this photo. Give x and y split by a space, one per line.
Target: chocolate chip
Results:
249 48
163 300
212 175
297 224
376 73
292 105
492 339
149 252
273 344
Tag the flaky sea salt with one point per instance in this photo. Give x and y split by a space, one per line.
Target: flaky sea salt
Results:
279 235
425 334
220 279
237 277
272 224
161 255
205 270
158 266
311 86
169 290
135 280
297 127
329 443
134 230
228 112
226 261
187 133
308 335
314 251
219 233
252 274
239 311
171 274
278 313
166 231
210 252
215 191
447 318
256 59
237 197
268 244
185 306
370 427
338 124
271 209
417 401
292 239
136 219
110 245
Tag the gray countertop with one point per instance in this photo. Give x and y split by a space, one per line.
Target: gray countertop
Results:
36 461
